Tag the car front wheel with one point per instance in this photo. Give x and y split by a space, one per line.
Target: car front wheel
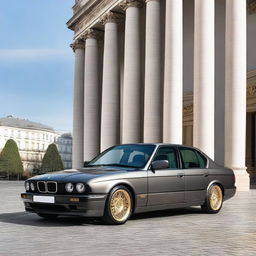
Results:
118 207
214 199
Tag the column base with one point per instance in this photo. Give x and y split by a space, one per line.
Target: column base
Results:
242 179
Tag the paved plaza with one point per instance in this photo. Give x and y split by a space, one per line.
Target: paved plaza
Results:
174 232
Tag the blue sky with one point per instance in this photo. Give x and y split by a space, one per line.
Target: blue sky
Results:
36 62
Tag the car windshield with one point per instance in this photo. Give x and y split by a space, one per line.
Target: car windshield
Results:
134 156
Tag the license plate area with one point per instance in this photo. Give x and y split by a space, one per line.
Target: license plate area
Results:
44 199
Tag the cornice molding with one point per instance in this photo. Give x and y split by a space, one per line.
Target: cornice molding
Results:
89 14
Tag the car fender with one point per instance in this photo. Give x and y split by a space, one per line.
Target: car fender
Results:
213 182
106 186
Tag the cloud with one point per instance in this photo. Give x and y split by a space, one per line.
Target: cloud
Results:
33 55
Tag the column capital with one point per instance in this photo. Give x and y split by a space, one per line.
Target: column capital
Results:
92 33
77 44
131 3
146 1
113 17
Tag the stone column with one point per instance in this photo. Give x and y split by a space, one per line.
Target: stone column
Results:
173 77
235 91
91 96
203 133
78 106
153 85
132 118
110 109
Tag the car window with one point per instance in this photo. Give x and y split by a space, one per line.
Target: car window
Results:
202 159
169 154
128 155
192 159
113 156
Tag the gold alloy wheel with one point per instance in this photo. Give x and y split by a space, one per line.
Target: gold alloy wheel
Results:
120 205
216 197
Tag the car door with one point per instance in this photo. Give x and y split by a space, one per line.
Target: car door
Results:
196 174
166 186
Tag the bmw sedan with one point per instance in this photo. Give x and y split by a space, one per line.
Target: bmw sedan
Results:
132 178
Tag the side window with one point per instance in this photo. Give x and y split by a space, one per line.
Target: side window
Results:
202 159
169 154
192 159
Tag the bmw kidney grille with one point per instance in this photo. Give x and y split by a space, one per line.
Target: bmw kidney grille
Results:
47 186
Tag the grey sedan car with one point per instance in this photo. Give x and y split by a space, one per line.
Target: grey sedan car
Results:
132 178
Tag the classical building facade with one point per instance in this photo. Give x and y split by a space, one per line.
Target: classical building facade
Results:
33 140
165 71
64 145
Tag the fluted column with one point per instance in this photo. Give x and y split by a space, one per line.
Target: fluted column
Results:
91 96
132 118
204 77
110 110
78 106
235 91
173 73
153 86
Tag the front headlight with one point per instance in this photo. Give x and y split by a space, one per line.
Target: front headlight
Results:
32 186
69 187
80 187
27 185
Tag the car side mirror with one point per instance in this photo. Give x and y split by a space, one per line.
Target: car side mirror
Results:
160 164
86 163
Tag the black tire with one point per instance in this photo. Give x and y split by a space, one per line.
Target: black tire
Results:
125 208
214 199
47 216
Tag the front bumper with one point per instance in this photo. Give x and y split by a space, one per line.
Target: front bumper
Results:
67 205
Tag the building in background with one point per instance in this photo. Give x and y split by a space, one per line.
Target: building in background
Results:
33 140
64 145
137 61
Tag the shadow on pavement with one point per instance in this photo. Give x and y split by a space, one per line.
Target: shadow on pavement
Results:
167 213
24 218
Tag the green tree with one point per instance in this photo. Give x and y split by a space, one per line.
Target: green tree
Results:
10 161
52 161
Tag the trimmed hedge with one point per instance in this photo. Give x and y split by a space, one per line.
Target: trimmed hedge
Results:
10 161
52 161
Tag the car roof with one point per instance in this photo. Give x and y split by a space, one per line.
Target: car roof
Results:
158 144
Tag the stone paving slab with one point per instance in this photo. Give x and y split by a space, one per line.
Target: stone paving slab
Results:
174 232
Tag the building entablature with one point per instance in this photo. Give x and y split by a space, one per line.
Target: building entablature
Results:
88 14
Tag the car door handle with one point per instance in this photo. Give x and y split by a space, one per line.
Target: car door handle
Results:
180 175
206 174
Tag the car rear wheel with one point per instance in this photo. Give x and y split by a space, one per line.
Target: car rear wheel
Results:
118 207
47 216
214 199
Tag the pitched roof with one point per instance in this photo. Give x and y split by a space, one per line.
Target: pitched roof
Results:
23 123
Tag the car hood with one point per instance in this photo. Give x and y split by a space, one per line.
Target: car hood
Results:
84 174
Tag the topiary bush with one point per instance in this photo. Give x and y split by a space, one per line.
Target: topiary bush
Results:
52 161
10 161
